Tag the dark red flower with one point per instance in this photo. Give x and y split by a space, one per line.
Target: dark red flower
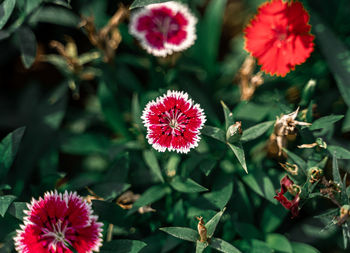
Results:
164 28
292 205
173 122
279 36
58 222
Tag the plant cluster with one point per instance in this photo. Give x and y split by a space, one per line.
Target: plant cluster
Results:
133 126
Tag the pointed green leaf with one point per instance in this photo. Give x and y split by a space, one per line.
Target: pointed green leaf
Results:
279 243
16 210
142 3
110 109
109 212
336 174
6 8
261 184
215 133
302 247
5 202
325 122
256 131
336 54
123 246
55 15
220 197
339 152
213 222
237 149
223 246
152 163
200 246
27 45
186 185
229 120
150 196
8 150
187 234
136 111
207 166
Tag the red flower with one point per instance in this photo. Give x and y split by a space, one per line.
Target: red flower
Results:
57 222
173 122
292 205
164 28
279 36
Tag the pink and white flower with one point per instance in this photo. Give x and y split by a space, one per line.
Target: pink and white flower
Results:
173 122
58 222
164 28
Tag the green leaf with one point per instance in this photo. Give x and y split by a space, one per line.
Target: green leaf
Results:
256 131
207 166
148 197
237 149
110 212
8 150
110 109
152 162
223 246
209 31
5 202
200 246
186 185
325 122
136 111
85 144
220 197
142 3
6 9
187 234
123 246
336 174
213 222
215 133
339 152
261 184
229 120
55 15
336 54
109 190
302 247
16 210
31 5
272 217
247 230
27 45
279 242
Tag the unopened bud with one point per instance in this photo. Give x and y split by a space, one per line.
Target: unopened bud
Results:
202 230
321 143
234 132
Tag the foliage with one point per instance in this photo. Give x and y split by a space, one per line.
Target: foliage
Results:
70 120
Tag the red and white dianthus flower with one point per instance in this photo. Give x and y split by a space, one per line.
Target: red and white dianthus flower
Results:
279 36
164 28
173 122
57 223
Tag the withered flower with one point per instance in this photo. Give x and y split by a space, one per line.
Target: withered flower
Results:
285 126
108 38
287 185
247 80
291 168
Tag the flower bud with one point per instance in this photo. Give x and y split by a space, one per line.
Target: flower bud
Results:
202 230
234 132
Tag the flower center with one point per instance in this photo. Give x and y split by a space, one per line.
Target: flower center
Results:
174 122
165 25
55 233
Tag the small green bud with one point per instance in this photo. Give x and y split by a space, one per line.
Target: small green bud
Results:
234 132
